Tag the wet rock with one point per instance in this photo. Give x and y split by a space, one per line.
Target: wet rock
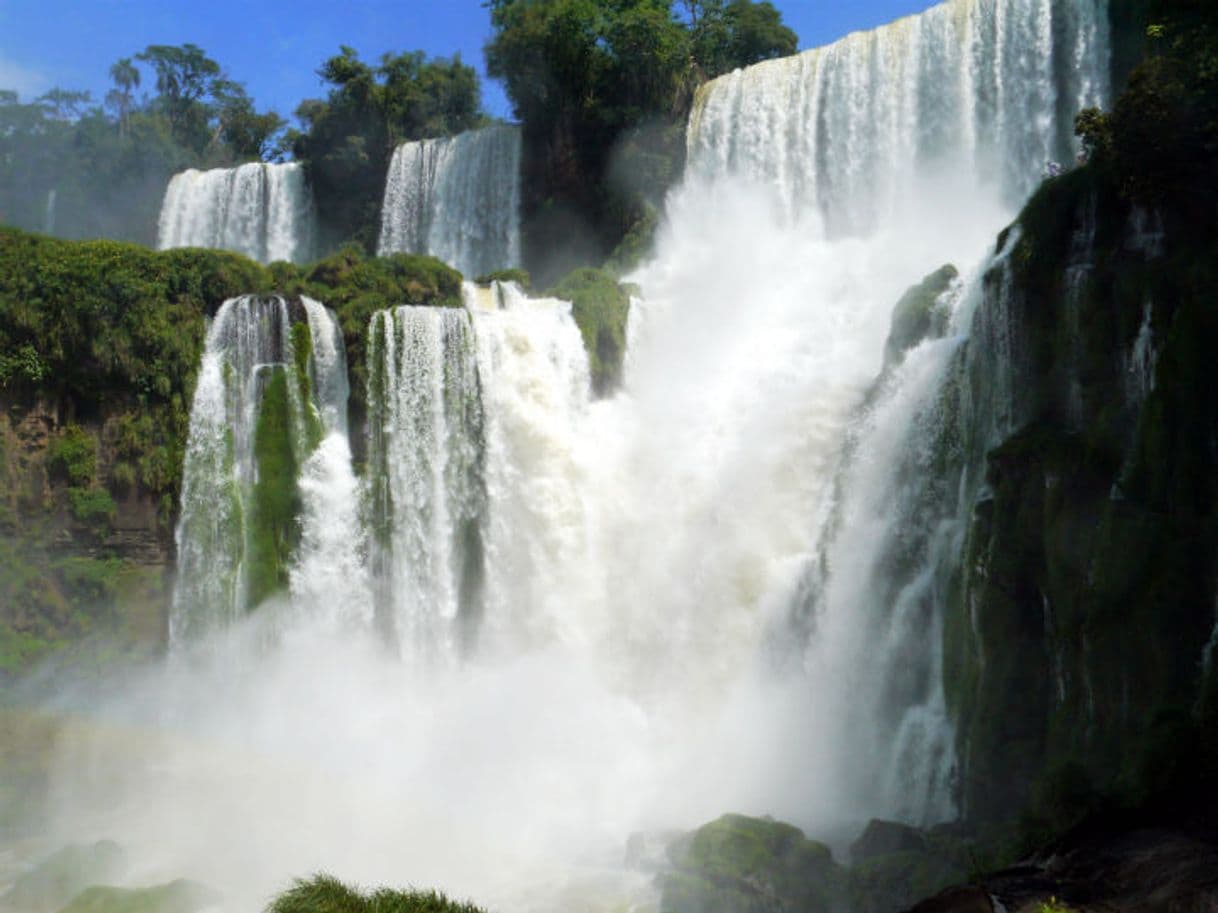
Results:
738 864
880 838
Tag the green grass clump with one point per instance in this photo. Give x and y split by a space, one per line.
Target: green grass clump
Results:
73 455
325 894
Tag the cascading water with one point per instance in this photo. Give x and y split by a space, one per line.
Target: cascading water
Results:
262 407
457 199
48 218
969 92
427 495
260 210
715 590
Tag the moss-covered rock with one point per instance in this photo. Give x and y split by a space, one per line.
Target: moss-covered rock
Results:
601 308
1084 598
275 509
520 276
738 864
919 314
60 877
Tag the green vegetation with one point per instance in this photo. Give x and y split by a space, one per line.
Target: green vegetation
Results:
117 330
108 164
275 512
519 276
918 315
738 864
302 353
324 894
601 308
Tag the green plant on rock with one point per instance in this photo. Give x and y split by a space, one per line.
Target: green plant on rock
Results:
325 894
73 456
601 309
274 522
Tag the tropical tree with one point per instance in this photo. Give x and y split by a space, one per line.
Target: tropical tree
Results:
348 138
126 78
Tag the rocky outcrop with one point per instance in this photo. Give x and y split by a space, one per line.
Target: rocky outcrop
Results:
738 864
1114 871
1083 602
87 551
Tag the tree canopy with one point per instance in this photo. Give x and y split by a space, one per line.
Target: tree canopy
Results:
594 81
82 169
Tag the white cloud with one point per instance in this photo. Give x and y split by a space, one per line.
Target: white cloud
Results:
26 82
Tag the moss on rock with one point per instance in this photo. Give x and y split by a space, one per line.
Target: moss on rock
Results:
919 315
738 864
601 309
274 528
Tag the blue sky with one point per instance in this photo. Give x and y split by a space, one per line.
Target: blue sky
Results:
274 47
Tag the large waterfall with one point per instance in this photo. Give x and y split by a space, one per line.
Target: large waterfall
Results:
537 621
971 92
457 199
262 211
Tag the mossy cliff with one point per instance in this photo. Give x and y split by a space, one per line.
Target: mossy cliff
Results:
100 343
1082 609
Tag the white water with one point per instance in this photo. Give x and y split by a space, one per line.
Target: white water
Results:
981 92
628 660
48 218
457 199
262 211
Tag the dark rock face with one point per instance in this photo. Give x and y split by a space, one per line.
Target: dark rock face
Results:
1140 870
883 837
1079 612
83 554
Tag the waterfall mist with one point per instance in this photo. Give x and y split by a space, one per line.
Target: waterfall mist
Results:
540 621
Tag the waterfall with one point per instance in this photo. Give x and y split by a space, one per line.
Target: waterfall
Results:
270 398
983 91
471 412
457 199
427 494
262 211
48 219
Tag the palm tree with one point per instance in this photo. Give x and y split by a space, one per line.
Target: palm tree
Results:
127 78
